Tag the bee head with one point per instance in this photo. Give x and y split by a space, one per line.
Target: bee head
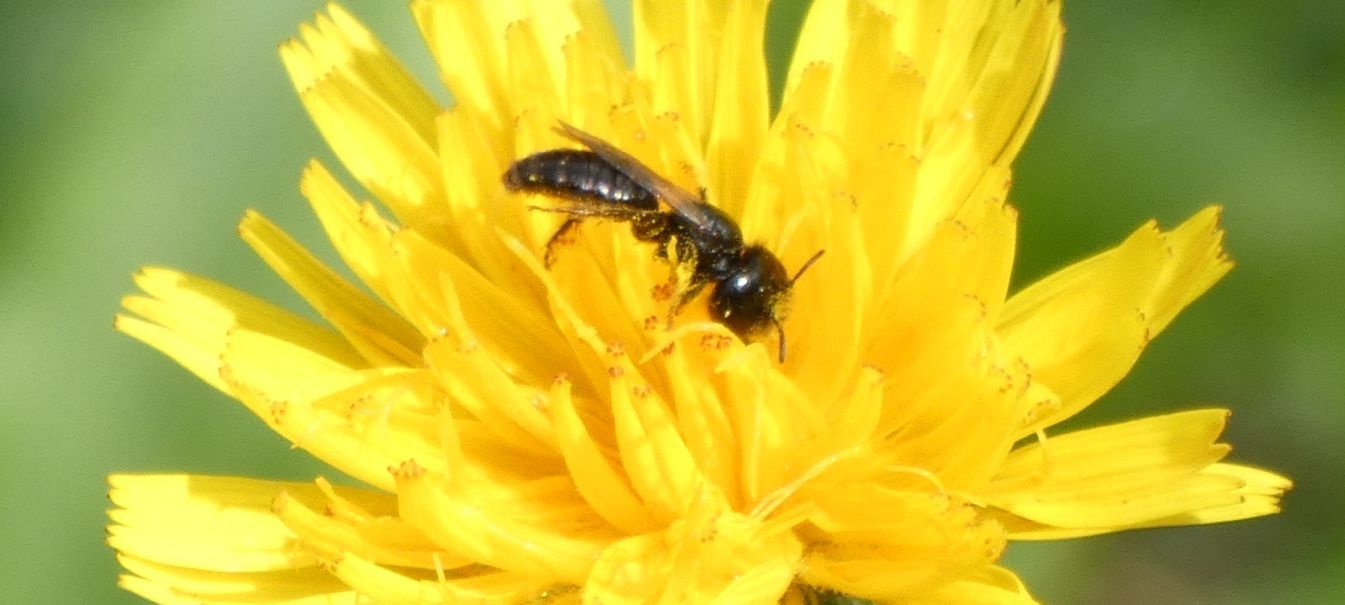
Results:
755 294
752 297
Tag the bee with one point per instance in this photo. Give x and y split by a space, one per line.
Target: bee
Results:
751 287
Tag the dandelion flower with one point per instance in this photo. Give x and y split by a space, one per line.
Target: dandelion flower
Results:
527 434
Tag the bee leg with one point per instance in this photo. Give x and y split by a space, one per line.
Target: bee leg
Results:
562 235
684 297
649 226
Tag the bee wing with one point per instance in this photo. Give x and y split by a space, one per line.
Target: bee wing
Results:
679 199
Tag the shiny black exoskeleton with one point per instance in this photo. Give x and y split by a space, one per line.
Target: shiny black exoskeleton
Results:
751 286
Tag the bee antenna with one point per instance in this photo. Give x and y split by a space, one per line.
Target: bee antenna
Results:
779 329
805 266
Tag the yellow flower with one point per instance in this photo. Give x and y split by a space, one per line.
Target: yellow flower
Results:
540 435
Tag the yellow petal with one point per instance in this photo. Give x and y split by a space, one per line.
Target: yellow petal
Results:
988 65
704 422
661 468
595 76
206 523
534 84
1082 328
712 556
951 384
472 158
384 540
792 161
385 586
511 411
483 585
882 543
467 41
826 323
189 319
993 75
772 420
169 584
676 56
597 477
359 422
874 80
588 309
741 105
1258 494
374 115
540 530
846 72
358 233
379 333
213 523
150 591
981 71
337 41
444 295
1147 472
1172 444
991 586
279 366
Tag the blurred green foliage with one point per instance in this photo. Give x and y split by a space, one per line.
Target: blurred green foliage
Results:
136 132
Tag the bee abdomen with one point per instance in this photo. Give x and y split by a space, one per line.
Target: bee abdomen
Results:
577 175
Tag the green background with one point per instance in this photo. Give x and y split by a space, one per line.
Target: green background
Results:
137 132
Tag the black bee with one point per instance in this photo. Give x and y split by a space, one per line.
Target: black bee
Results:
751 286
